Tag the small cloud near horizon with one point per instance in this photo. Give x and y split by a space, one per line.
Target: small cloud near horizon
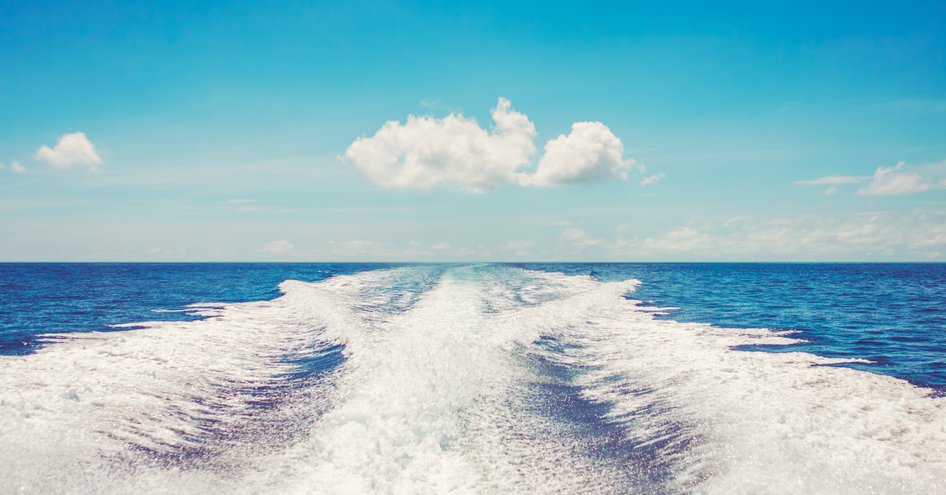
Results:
886 181
71 149
653 178
15 167
896 181
834 180
280 246
577 238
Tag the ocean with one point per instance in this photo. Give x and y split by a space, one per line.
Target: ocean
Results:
473 378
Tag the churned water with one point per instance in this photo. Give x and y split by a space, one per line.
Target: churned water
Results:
483 378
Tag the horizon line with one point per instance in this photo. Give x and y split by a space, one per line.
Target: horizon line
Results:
545 262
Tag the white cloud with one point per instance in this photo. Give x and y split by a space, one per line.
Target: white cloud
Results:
281 246
71 149
887 181
653 179
427 152
15 167
683 239
577 238
834 180
894 181
917 234
589 153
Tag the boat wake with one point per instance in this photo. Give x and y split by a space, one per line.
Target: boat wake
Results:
457 379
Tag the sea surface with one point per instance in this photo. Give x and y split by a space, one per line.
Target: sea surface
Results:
472 378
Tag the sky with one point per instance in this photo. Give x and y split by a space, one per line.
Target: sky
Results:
493 131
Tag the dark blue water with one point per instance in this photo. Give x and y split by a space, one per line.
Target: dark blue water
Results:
39 298
891 314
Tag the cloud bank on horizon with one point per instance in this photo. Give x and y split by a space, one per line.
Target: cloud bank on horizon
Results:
426 152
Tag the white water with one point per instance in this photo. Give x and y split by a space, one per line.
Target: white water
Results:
480 380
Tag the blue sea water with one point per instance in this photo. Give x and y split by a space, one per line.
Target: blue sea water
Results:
473 378
893 315
43 298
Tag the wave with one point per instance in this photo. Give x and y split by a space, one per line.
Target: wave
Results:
461 379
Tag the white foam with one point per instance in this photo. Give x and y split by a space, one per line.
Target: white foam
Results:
88 404
427 407
444 390
751 422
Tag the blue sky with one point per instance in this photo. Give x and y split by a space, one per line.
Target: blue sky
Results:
253 131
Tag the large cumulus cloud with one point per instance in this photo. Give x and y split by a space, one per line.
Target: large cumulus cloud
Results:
589 153
426 152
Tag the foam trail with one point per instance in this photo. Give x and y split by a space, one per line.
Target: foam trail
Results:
173 393
727 421
420 407
475 379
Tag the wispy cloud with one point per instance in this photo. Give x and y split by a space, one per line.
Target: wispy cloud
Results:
896 181
577 239
15 167
887 181
834 180
652 178
917 234
278 247
251 205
